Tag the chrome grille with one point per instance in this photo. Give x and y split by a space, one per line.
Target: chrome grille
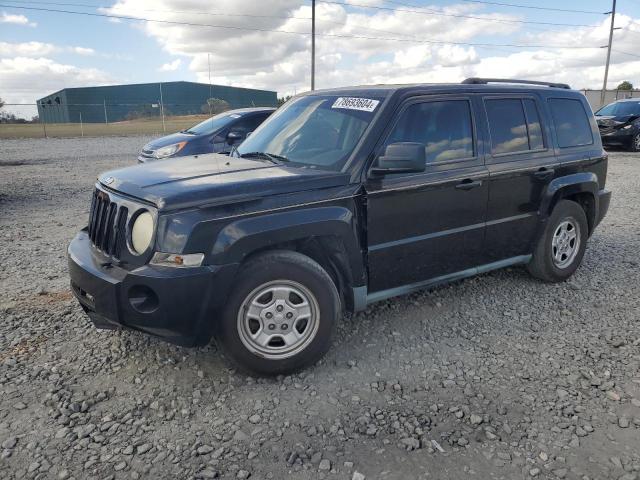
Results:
107 224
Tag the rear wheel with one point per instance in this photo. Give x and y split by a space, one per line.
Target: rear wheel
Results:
280 316
560 250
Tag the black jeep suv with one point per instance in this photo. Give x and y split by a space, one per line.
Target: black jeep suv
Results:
342 198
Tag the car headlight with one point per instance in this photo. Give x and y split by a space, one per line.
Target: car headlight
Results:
169 150
627 127
142 232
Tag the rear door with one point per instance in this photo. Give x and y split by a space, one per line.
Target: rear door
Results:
521 163
425 225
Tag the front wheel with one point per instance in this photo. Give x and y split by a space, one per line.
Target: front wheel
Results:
635 143
280 315
562 245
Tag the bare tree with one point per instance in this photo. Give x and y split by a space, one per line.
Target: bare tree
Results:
215 106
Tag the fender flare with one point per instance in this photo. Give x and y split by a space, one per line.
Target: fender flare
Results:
566 186
241 238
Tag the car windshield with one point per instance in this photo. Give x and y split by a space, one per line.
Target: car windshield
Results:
316 130
212 124
620 108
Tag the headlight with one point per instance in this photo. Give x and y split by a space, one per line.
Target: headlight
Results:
176 260
627 127
169 150
142 232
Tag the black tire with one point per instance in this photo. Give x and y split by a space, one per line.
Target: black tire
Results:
635 143
542 264
265 270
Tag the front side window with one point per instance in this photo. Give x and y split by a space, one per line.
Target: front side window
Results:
443 127
212 124
247 124
316 130
571 122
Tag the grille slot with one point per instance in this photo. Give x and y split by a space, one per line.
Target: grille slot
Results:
107 224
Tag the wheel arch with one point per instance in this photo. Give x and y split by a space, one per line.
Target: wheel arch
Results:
328 235
581 188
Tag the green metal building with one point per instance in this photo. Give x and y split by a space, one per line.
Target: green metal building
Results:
116 103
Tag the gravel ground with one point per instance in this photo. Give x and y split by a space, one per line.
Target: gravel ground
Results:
498 376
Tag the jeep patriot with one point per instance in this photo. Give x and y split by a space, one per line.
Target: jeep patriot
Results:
342 198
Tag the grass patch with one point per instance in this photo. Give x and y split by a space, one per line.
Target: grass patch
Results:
146 126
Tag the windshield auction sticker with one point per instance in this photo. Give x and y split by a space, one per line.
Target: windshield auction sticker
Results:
353 103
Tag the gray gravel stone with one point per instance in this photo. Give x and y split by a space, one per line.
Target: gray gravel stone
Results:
531 375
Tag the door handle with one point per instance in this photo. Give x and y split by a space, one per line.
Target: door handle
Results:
544 173
468 184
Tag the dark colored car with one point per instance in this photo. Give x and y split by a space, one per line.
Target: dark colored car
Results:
619 124
340 199
217 134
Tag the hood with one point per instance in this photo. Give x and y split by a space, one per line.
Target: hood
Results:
169 140
214 179
612 120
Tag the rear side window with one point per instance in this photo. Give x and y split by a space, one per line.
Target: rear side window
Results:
536 141
571 122
514 124
444 127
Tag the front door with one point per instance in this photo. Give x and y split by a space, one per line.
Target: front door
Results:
430 224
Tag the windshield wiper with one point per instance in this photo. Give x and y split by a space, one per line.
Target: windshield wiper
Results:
272 157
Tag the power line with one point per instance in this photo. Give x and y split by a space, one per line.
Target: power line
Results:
185 12
286 17
626 53
332 35
532 7
428 11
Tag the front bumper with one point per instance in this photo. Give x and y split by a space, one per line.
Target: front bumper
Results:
619 137
177 304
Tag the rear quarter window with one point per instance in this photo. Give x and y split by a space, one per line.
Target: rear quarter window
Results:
571 122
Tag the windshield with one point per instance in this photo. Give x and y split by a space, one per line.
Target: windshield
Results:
212 124
315 130
620 108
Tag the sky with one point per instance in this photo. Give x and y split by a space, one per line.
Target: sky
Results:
267 43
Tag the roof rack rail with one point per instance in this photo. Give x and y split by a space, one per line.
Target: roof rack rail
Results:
484 81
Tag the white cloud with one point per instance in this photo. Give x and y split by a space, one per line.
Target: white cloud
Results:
171 66
26 49
16 19
281 61
39 49
83 51
24 79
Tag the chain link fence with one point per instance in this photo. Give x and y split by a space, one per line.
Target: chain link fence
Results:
593 96
121 119
103 119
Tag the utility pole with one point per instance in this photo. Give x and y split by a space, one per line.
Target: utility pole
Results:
313 44
210 86
104 104
606 67
162 109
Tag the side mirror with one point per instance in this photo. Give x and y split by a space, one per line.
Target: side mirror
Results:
401 157
234 137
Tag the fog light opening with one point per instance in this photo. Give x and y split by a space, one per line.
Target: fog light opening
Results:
143 299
